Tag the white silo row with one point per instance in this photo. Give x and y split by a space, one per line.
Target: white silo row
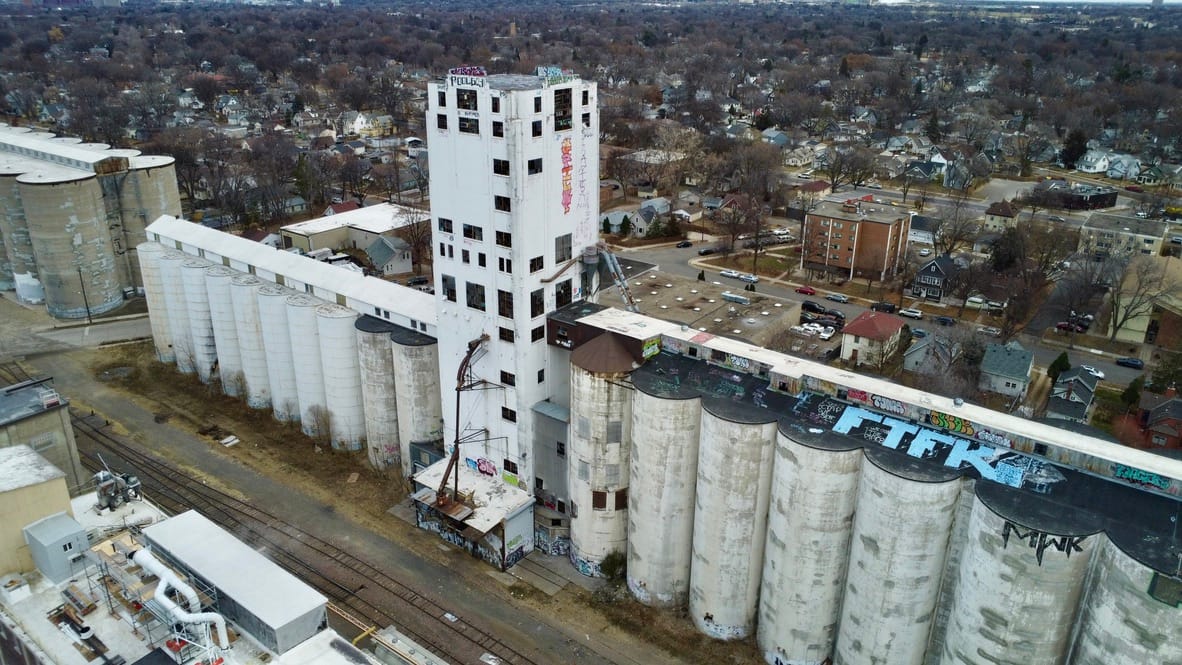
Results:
810 519
272 300
901 530
662 475
1015 601
305 355
730 522
150 254
177 307
225 334
378 394
342 375
1121 624
249 329
200 324
416 381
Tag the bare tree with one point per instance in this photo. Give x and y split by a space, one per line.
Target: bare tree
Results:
417 234
1143 283
956 226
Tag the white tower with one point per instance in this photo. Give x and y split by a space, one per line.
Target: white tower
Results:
514 201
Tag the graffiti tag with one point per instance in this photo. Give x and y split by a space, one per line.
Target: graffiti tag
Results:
485 466
467 71
567 169
994 438
889 405
1041 542
1138 476
951 423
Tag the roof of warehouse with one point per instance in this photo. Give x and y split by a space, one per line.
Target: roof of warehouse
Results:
267 591
494 499
378 218
21 466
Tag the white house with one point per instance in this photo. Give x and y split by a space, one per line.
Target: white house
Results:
871 338
1005 369
1094 161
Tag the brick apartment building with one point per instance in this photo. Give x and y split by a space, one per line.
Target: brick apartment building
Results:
855 238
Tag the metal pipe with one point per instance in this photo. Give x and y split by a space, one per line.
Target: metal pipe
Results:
150 563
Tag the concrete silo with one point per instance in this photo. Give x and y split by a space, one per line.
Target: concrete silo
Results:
204 350
14 230
416 383
342 376
225 332
147 191
281 377
150 254
305 355
378 392
177 307
249 329
598 451
901 533
730 517
810 520
662 477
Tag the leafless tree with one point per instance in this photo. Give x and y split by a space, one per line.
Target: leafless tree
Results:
417 234
1143 283
956 226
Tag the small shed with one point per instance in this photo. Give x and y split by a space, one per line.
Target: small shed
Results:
391 256
56 544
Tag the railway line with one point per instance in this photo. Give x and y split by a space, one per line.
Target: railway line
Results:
359 591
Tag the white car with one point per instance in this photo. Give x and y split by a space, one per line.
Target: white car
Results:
749 278
911 313
814 327
1093 371
730 273
874 185
828 332
925 252
989 330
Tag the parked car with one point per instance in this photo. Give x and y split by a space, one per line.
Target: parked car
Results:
806 290
911 313
888 307
925 252
813 306
945 320
1056 218
919 333
837 297
1093 371
1135 188
1068 326
730 273
749 278
873 184
684 243
418 280
706 251
989 330
1135 363
828 332
835 313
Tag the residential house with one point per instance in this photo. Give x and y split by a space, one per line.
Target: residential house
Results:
776 137
932 280
1160 419
1151 177
854 239
352 122
1123 167
391 256
1071 396
889 166
931 356
1005 369
338 208
958 175
871 338
1106 234
799 157
1093 161
659 204
381 125
924 229
921 171
999 216
898 144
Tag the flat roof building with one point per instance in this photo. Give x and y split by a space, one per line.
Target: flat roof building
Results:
854 238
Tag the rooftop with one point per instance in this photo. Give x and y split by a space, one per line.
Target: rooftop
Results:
858 211
21 466
1008 360
26 399
492 499
1105 221
379 218
874 325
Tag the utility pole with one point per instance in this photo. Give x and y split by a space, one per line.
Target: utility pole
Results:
82 283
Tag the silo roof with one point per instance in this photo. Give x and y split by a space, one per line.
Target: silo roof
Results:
605 354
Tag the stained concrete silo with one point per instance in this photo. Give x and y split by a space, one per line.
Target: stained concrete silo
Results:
285 402
147 190
305 356
249 328
204 350
178 309
416 383
342 376
225 332
14 230
378 391
150 254
598 451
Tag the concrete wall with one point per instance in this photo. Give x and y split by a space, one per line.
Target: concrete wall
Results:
52 436
21 507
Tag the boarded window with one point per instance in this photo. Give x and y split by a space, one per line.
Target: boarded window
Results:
622 499
615 431
599 500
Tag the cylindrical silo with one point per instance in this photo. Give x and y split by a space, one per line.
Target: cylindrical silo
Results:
205 353
730 517
1122 623
15 231
150 254
249 330
305 354
810 519
68 228
598 452
225 332
378 394
416 382
148 190
1019 581
177 307
901 529
281 376
342 375
663 472
6 281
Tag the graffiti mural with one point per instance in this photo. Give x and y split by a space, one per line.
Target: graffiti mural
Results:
1139 477
567 172
1039 541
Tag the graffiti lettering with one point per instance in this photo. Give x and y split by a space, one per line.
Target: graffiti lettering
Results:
1140 477
1040 542
467 71
951 423
486 467
858 395
740 362
470 81
567 169
889 405
996 439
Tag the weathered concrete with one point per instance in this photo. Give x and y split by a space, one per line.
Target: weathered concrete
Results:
247 324
417 391
225 332
272 300
177 308
342 375
378 398
305 357
150 254
203 352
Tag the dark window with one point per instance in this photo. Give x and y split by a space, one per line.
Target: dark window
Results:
464 256
536 264
502 203
442 249
586 97
599 500
473 232
441 121
535 128
562 507
510 466
445 225
541 376
586 119
466 99
501 166
508 414
451 252
622 499
562 109
539 486
506 334
505 303
504 264
475 295
537 333
560 448
562 248
498 129
537 104
507 378
562 294
442 96
481 260
534 166
470 125
449 287
504 239
496 104
537 303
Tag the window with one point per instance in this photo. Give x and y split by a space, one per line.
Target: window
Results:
475 295
539 485
481 260
442 97
541 376
560 448
506 334
445 225
442 249
466 99
505 303
534 166
535 128
441 121
562 294
586 97
586 119
498 129
561 505
504 239
449 287
510 466
507 378
502 203
622 499
508 414
496 104
66 547
504 264
537 303
451 252
562 109
501 166
562 248
537 334
599 500
470 125
473 232
537 104
536 264
464 256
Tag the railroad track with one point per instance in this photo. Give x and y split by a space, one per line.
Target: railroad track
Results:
360 589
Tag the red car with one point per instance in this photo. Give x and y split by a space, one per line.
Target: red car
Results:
1135 188
806 290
